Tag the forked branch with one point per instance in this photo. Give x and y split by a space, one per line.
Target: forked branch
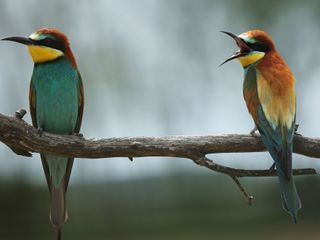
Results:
24 139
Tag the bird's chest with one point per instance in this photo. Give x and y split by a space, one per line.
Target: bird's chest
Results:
276 98
56 99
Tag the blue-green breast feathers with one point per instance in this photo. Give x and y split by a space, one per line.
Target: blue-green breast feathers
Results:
55 102
55 86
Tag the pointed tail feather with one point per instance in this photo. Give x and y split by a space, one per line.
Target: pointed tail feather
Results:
58 211
59 235
290 199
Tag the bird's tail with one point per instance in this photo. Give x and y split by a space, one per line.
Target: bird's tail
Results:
59 235
290 199
58 211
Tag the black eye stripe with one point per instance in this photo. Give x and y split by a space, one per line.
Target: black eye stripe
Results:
48 42
258 47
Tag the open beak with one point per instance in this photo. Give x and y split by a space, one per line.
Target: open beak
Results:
23 40
244 49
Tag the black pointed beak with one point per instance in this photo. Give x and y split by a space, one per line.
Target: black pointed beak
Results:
244 49
23 40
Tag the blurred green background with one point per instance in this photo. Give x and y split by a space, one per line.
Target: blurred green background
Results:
150 67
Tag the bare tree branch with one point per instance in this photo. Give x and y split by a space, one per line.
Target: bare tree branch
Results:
23 138
248 197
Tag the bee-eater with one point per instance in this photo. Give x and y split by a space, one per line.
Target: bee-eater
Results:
56 105
269 92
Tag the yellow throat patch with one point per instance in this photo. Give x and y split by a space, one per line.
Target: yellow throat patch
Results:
42 54
251 58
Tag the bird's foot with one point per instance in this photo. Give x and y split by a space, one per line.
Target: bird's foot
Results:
40 131
296 130
200 161
273 166
253 131
80 135
19 114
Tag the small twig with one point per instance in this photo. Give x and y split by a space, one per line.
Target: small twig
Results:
248 197
19 114
208 163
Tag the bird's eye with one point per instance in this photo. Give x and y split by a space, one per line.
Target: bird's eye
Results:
48 42
52 43
257 46
44 42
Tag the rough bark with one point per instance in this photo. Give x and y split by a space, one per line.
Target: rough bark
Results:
24 139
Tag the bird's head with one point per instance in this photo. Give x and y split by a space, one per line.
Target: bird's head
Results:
253 46
46 44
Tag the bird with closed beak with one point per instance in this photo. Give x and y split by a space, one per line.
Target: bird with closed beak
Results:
269 92
56 105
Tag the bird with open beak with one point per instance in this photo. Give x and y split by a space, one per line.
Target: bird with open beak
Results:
269 92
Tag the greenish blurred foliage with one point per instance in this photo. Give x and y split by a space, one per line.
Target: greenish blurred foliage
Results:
175 207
